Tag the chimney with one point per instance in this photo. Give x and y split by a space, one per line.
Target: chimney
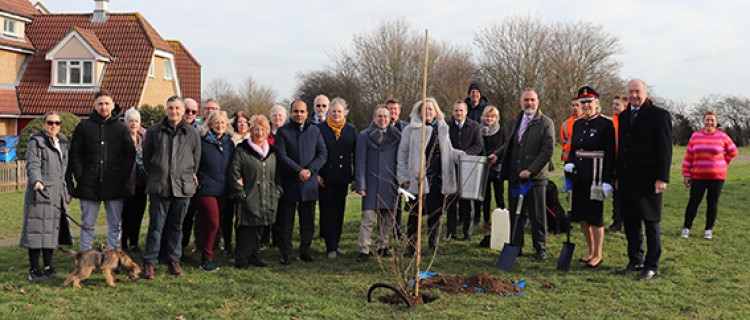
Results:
100 11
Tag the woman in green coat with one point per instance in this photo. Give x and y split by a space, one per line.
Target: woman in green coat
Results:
256 186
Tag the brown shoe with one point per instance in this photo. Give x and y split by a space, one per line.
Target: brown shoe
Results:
174 268
148 271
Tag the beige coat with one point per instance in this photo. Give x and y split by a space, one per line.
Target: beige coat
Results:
409 154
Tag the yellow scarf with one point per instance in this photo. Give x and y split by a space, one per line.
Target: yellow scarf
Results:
337 127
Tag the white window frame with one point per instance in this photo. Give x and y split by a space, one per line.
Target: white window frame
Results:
10 22
151 68
168 69
68 69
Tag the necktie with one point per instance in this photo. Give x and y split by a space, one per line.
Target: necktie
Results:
633 114
524 124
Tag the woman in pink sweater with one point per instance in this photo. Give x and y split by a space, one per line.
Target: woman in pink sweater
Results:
705 167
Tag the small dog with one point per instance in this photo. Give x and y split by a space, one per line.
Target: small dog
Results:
105 259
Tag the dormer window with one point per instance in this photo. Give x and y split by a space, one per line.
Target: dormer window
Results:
10 27
168 69
74 73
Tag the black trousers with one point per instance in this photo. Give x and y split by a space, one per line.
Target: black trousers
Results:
697 189
533 208
466 210
332 202
187 226
284 226
634 235
433 207
132 216
248 244
499 189
616 211
227 225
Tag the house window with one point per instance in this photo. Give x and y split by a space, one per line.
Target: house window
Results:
167 69
151 69
75 72
9 26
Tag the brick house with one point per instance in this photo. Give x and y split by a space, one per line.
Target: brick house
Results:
75 55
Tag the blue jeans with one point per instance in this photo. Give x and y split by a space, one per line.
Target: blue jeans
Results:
165 216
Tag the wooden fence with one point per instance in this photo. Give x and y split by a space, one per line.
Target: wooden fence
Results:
13 176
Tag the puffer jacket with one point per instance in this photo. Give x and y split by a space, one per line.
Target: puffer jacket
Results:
258 197
216 154
45 222
101 157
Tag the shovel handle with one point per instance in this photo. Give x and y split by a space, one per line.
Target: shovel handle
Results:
515 218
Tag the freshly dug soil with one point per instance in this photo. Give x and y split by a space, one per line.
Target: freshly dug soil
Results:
454 284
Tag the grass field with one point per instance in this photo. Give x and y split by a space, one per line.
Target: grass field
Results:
700 279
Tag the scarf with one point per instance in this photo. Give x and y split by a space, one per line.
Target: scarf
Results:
261 150
491 130
336 127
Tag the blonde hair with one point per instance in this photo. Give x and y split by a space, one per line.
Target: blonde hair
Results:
416 110
491 109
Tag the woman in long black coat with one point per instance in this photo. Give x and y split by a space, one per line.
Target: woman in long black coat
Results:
340 138
45 219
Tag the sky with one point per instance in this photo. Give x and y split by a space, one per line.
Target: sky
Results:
683 50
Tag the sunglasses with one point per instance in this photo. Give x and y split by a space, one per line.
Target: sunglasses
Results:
50 123
191 111
321 105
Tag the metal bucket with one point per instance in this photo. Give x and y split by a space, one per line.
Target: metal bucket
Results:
472 176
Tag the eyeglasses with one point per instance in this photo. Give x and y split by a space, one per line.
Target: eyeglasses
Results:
321 105
191 111
56 123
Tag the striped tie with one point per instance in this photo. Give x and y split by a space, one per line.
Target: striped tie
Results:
524 124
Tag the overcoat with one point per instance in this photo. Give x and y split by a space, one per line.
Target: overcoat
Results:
101 157
409 153
338 167
644 156
467 138
535 149
45 220
375 172
297 149
259 195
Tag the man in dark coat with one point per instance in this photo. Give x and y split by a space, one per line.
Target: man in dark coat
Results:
302 153
525 156
465 135
320 109
101 156
171 155
643 160
394 107
475 102
375 174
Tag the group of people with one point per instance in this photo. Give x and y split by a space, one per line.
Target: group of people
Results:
249 175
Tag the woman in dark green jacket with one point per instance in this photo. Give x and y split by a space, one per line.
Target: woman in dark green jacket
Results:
256 186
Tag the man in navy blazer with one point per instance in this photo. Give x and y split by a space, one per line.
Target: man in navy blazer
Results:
643 161
301 153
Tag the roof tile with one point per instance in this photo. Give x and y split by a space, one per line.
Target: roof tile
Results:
20 7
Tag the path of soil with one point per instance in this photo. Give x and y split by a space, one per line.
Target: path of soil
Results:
477 283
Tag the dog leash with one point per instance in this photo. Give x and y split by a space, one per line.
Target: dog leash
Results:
83 228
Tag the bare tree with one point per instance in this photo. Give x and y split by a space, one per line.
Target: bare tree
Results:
387 62
554 58
255 98
221 90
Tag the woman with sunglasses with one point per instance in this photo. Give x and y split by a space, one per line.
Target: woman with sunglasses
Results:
45 217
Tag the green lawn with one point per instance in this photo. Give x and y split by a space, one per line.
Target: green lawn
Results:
700 279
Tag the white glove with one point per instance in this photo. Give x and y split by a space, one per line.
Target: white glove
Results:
569 167
607 188
408 195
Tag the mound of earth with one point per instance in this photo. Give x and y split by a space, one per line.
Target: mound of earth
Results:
470 284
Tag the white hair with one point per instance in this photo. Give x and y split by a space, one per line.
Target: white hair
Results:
132 113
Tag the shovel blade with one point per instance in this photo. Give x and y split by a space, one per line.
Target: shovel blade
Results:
566 255
508 257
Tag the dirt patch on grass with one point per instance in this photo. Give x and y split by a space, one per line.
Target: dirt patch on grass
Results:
477 283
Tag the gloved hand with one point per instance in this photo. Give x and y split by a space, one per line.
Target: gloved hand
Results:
569 167
607 189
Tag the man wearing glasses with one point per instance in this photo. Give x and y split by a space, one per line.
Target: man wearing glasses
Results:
101 156
320 109
191 112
